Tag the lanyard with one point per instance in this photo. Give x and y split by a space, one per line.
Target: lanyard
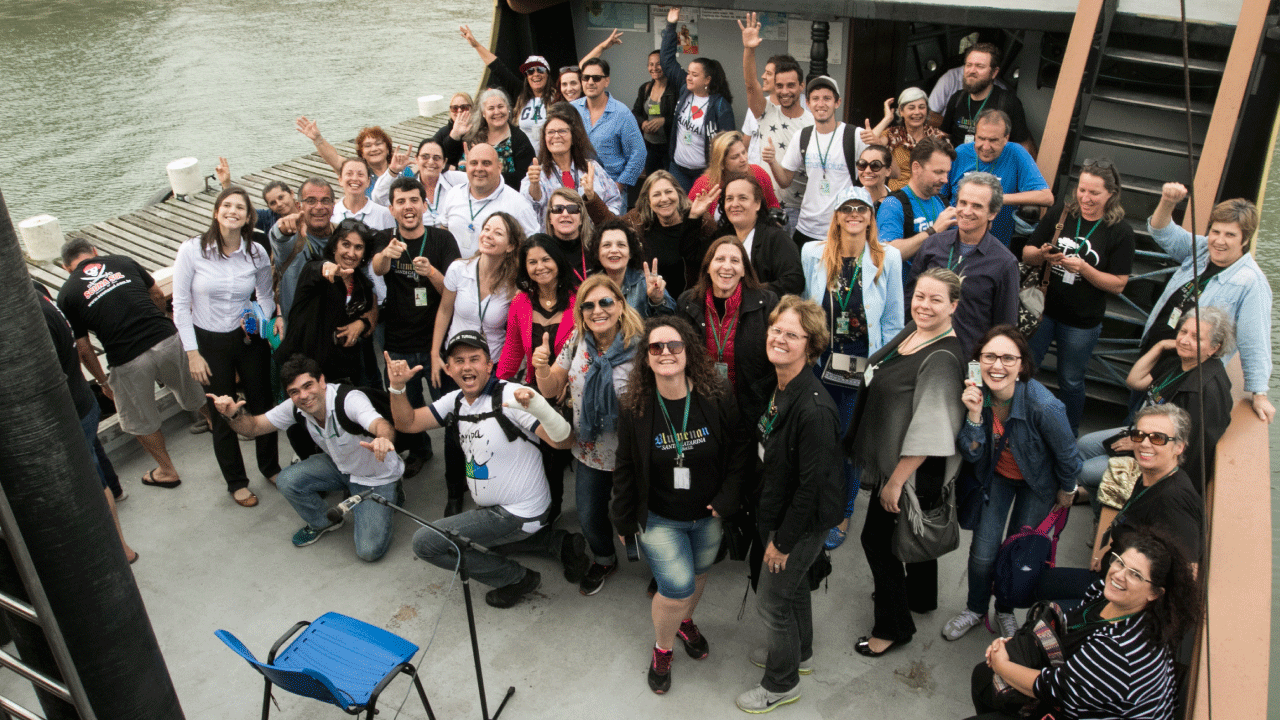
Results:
470 208
684 428
1089 234
720 340
481 308
951 256
968 99
918 207
822 156
1084 618
1156 391
770 416
844 298
433 208
977 165
894 352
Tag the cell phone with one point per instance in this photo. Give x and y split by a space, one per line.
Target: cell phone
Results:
633 551
975 372
1055 250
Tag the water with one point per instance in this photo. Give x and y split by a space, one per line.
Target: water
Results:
98 96
1269 260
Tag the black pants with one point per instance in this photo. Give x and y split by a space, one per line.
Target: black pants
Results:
228 355
901 588
800 239
554 463
981 693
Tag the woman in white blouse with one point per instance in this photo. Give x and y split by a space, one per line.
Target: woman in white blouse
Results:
354 178
214 278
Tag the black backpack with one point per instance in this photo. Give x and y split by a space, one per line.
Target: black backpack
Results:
850 149
495 390
378 398
908 218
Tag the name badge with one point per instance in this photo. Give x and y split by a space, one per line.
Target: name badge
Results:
1068 278
1174 317
681 477
722 369
870 373
824 186
420 297
842 328
968 138
686 137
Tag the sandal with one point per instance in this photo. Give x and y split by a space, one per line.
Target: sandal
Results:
248 501
150 479
835 538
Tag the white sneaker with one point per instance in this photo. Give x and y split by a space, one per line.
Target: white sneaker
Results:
957 626
760 657
1007 623
758 700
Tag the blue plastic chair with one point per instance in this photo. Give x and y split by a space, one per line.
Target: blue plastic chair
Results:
337 660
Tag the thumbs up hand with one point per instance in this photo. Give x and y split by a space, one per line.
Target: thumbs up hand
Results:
867 134
542 356
768 153
534 175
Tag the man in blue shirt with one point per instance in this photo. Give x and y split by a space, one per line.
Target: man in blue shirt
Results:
907 217
991 152
611 126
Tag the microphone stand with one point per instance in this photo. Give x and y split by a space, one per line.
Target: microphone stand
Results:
460 542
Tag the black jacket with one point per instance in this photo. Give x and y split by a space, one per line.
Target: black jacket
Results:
750 355
774 256
629 506
1217 416
666 105
803 488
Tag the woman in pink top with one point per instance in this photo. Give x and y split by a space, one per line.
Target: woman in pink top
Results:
728 156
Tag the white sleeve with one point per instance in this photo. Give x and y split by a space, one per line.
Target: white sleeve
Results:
184 273
792 160
453 276
281 416
382 188
358 408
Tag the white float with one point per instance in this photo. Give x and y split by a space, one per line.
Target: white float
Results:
184 176
41 237
429 105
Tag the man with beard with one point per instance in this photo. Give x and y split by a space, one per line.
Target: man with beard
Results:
468 206
1019 176
776 120
979 93
907 217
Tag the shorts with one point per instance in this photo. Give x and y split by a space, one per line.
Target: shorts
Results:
679 551
134 385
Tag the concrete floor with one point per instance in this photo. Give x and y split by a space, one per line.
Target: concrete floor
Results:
207 564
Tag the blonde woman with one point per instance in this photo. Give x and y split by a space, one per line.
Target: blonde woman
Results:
729 156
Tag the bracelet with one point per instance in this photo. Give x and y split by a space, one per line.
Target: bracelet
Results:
971 423
236 415
394 391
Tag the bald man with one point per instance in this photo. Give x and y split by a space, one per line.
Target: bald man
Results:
484 194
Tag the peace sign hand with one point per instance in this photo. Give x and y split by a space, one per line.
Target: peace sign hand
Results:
399 159
655 286
588 183
223 172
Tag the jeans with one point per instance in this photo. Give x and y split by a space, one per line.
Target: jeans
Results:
593 489
228 355
684 176
680 550
301 484
793 217
1075 349
489 527
1028 509
418 444
846 400
1065 586
1093 451
786 606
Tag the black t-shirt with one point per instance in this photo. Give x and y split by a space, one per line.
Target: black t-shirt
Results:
701 457
410 325
849 337
960 117
109 295
572 250
1182 300
68 358
665 244
1171 506
1109 248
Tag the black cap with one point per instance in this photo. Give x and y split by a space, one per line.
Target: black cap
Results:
466 338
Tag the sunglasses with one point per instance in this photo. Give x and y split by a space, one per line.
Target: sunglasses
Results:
570 209
605 304
1157 438
875 165
851 209
459 108
593 78
536 71
675 347
570 69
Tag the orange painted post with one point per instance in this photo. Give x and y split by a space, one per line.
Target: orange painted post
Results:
1068 89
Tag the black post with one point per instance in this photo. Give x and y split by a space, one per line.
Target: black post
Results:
818 51
62 516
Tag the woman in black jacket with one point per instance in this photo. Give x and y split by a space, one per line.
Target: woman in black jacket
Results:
654 110
682 450
493 123
729 310
773 253
801 498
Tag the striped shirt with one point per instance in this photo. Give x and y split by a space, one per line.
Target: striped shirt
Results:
1118 673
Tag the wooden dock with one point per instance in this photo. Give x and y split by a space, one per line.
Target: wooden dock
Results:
151 235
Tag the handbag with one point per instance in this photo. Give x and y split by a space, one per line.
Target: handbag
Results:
1033 289
1038 645
920 536
1023 556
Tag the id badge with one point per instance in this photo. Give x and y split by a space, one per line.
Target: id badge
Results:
681 477
841 362
968 138
842 326
420 297
722 369
1068 278
824 186
870 373
687 137
1174 317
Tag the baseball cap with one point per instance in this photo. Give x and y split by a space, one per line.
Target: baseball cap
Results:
854 194
466 338
821 81
534 61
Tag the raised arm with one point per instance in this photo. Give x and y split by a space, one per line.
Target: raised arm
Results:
1140 375
667 53
407 420
486 55
750 41
615 38
327 152
239 419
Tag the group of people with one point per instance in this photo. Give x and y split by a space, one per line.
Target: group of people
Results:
721 332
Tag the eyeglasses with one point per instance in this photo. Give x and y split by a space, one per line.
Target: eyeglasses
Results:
875 165
605 303
777 332
593 78
569 209
1133 574
1158 439
312 202
859 209
536 71
560 132
1005 360
459 108
675 347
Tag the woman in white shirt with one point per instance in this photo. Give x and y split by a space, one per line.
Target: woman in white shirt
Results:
214 278
353 178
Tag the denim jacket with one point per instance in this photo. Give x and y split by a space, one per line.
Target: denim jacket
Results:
633 291
882 298
1040 439
1240 289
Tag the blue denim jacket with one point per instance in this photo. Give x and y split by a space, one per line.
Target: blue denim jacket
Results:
1039 437
1240 289
882 298
633 291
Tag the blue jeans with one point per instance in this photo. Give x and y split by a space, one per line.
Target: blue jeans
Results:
680 550
592 489
89 426
489 527
786 606
301 484
1028 509
1075 349
684 176
1094 453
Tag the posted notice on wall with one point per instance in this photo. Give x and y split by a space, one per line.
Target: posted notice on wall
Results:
617 16
773 26
799 40
686 28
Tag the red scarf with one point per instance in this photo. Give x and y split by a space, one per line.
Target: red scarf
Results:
725 330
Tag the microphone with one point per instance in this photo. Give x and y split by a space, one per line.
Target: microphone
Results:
339 511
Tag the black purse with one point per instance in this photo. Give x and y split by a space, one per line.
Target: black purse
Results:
1037 644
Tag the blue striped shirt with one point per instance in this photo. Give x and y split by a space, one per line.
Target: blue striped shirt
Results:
617 139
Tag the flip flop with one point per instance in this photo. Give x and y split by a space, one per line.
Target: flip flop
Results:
150 479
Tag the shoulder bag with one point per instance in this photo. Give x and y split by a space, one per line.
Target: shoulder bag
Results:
1033 288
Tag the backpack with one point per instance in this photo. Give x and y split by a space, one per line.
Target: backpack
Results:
378 398
1023 556
850 149
509 427
908 218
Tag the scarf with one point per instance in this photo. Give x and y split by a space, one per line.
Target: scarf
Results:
599 412
722 332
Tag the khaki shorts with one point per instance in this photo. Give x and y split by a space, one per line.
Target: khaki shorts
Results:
134 385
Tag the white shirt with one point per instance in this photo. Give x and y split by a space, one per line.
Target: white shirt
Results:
750 125
500 471
372 214
430 207
691 144
532 117
751 239
824 162
773 125
470 312
342 447
464 215
211 291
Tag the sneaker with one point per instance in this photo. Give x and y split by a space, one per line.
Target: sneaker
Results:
957 626
595 577
660 671
694 643
508 595
124 495
758 700
573 556
307 535
1008 624
760 658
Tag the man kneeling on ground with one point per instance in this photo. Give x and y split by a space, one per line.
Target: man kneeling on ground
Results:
357 452
498 425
